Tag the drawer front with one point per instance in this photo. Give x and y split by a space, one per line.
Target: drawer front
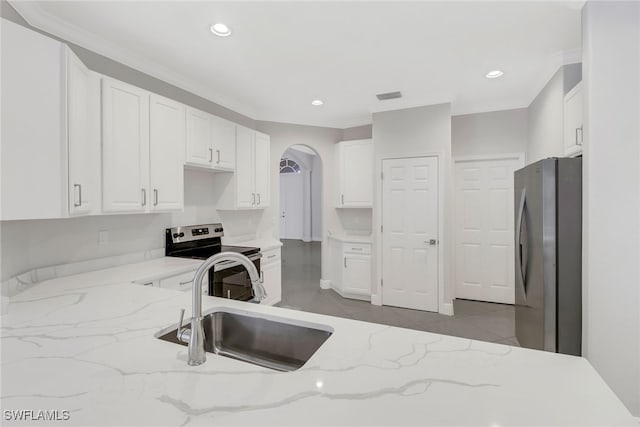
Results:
182 282
356 248
270 256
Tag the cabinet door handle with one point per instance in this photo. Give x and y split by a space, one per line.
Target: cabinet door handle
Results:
579 142
253 197
144 197
342 199
210 155
258 199
345 262
218 153
261 276
79 187
271 256
155 197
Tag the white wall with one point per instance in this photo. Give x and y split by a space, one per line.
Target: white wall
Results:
611 252
316 199
321 139
32 244
546 114
416 132
499 132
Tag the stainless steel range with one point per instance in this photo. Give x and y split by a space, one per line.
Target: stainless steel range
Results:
226 280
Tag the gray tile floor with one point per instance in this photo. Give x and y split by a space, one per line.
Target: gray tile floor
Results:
301 291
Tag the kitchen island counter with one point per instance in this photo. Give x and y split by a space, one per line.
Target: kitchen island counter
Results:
88 346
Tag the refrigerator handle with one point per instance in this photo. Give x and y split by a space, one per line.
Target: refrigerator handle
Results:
519 241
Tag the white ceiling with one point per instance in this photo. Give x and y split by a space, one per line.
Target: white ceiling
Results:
283 55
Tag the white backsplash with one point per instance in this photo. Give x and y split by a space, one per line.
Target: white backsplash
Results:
356 221
31 245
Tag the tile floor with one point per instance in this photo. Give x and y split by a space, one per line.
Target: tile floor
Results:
301 291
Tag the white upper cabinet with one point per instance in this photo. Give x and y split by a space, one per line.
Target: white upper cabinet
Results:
245 193
167 142
211 141
199 151
573 128
142 150
224 144
354 177
248 187
125 147
49 155
262 159
81 191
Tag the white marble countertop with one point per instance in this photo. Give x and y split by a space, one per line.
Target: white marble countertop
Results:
264 244
86 344
352 238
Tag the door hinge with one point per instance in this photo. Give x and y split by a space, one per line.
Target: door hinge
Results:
381 175
381 283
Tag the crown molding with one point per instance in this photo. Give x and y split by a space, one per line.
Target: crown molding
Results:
44 21
556 61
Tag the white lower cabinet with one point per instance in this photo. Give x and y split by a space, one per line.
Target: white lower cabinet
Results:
356 277
350 272
271 271
178 282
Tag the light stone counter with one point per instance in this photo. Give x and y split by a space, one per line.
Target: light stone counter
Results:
86 344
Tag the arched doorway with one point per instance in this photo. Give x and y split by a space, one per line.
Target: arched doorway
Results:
300 222
300 194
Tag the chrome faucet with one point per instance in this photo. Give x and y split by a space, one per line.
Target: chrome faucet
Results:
195 335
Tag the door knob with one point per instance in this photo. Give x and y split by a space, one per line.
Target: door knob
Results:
432 242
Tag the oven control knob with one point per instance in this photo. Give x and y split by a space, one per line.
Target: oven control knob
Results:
175 235
181 235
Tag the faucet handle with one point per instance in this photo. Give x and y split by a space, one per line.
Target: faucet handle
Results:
182 334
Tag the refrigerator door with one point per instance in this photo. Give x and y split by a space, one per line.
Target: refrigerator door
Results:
535 257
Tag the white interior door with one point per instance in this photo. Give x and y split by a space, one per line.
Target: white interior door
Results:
484 268
291 205
410 233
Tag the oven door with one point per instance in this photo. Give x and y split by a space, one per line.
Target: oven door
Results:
232 281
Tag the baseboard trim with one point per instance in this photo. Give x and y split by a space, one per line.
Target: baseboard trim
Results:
446 308
351 295
376 300
325 284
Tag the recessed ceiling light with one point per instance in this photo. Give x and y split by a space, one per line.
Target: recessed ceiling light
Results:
494 74
220 29
317 102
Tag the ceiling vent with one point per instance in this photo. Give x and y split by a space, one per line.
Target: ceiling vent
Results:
388 95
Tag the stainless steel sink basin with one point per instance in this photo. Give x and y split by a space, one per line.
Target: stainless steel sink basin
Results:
272 342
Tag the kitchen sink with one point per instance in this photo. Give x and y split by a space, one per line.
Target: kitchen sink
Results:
268 341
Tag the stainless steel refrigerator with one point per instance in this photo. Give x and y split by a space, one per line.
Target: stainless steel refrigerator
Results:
548 255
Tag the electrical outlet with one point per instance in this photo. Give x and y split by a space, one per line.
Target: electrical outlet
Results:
103 237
